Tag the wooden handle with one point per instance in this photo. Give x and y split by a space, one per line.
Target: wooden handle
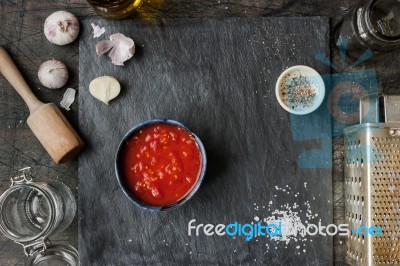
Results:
12 74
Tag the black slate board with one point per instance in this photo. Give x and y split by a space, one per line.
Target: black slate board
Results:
218 78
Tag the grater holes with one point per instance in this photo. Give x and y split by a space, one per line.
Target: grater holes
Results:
351 253
352 250
348 216
357 163
382 173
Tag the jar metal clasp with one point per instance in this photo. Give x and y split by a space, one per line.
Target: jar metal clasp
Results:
22 176
32 248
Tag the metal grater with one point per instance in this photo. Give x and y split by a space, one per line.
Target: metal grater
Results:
372 183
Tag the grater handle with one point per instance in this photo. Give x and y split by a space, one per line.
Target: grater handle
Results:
392 108
370 108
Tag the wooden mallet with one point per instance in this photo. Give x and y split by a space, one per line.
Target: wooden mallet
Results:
46 121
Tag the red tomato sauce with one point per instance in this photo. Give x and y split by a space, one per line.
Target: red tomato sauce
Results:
161 164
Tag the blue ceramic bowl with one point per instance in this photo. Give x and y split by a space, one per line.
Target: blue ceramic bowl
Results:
121 179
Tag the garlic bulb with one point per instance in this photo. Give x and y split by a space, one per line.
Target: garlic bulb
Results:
61 27
53 74
122 48
104 88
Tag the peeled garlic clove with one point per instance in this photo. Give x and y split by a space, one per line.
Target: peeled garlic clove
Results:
53 74
61 27
104 88
122 48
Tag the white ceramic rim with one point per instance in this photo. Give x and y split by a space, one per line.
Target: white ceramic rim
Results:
320 90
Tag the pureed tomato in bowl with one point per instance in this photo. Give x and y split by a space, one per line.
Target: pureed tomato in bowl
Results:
160 164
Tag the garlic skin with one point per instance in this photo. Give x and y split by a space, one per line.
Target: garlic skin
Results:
53 74
122 48
97 31
68 99
61 27
104 88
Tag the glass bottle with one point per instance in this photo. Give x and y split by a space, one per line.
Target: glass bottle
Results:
115 9
372 24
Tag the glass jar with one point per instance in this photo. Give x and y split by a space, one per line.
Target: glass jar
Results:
53 254
115 9
372 24
32 211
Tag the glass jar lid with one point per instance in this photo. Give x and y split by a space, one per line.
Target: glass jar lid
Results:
53 255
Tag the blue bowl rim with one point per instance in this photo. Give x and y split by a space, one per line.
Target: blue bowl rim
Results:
121 182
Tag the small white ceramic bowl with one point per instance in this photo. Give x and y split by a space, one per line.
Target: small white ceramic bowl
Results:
300 90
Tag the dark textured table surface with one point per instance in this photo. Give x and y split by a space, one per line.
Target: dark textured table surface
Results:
21 33
224 94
